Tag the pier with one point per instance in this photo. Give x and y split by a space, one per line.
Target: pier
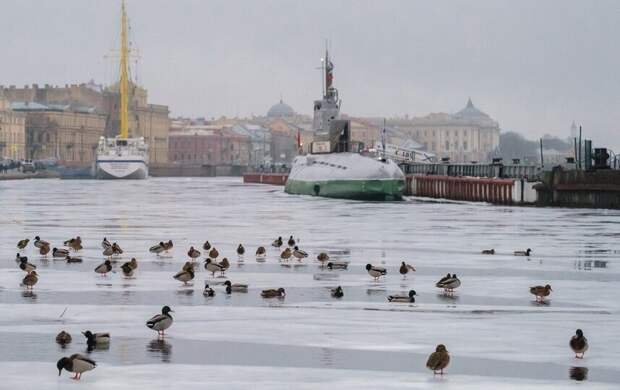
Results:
492 183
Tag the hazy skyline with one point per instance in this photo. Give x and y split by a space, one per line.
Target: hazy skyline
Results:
533 66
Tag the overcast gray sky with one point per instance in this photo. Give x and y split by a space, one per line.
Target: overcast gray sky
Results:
532 65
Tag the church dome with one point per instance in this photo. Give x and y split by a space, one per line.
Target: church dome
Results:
280 109
471 112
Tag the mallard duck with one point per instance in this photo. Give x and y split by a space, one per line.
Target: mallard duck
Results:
24 265
94 339
523 253
44 250
129 267
322 258
449 283
299 254
73 240
540 292
337 292
189 265
410 298
30 279
19 258
208 291
105 243
23 243
74 243
116 249
261 251
291 241
213 253
73 259
161 322
579 344
38 242
273 293
237 287
438 360
108 251
185 275
224 265
158 248
77 364
212 266
405 268
168 245
240 250
193 253
488 251
337 265
104 268
286 254
448 276
375 272
59 252
277 242
206 246
63 338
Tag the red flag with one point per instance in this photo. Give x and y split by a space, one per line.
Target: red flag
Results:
298 139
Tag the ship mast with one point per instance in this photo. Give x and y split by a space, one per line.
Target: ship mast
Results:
124 71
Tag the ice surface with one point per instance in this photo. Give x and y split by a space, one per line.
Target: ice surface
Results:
188 377
497 335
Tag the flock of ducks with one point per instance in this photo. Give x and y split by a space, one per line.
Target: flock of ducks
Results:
79 364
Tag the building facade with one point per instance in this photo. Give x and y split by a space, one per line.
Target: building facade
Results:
66 136
209 145
12 132
468 135
260 143
150 121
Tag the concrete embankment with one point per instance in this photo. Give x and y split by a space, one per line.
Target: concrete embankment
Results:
194 170
34 175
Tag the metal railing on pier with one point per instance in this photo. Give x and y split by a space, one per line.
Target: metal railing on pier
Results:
490 170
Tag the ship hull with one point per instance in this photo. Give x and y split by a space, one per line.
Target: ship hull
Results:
388 189
345 176
125 170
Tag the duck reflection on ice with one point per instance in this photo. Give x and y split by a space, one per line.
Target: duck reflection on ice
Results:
375 291
325 276
327 357
29 294
185 291
160 348
578 373
448 297
97 347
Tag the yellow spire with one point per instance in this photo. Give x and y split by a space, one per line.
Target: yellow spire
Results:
124 82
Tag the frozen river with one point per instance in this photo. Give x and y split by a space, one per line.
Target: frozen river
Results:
496 334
